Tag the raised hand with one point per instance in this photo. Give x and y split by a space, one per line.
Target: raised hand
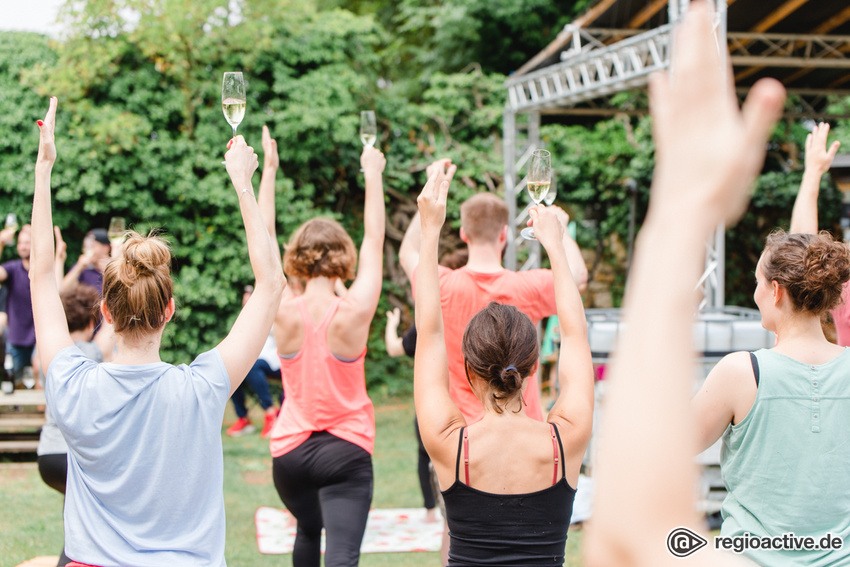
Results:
695 115
372 160
432 202
818 157
550 224
443 168
241 163
393 319
61 246
46 144
271 159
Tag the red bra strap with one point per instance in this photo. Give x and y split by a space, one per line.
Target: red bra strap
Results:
555 449
466 453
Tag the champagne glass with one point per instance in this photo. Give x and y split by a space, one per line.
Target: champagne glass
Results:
12 221
233 99
368 128
549 198
115 232
539 177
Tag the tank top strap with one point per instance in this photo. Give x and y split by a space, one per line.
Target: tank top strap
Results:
309 326
460 438
558 449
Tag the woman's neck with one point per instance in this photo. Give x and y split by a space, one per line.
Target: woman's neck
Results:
319 287
142 350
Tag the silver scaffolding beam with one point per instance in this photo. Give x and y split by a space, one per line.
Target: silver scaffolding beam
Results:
589 69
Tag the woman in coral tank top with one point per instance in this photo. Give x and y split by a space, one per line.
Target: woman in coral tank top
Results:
323 439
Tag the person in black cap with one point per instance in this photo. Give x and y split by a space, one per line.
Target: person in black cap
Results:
89 268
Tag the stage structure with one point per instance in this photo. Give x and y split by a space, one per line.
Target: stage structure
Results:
616 44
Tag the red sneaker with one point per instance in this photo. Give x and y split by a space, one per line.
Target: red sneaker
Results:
241 427
268 424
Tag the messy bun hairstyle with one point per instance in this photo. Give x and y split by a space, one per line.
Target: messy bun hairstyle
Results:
137 285
500 346
320 247
812 267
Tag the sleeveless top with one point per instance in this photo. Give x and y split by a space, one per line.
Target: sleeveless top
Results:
323 393
508 529
786 465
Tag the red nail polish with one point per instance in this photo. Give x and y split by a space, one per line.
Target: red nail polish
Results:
39 122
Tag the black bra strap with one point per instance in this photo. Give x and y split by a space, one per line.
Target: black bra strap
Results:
755 364
459 448
561 447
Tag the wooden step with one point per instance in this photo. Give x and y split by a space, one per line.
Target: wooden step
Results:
20 422
19 446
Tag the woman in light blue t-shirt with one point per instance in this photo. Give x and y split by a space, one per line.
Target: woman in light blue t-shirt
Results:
144 484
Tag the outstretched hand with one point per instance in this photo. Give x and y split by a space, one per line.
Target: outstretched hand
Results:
61 246
46 143
550 225
708 152
818 157
393 318
271 159
241 163
432 202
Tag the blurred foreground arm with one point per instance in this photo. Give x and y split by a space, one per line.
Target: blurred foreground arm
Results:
707 156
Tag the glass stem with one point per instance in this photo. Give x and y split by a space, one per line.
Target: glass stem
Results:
234 131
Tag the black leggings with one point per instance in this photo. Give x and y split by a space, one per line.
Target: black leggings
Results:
53 469
423 470
326 482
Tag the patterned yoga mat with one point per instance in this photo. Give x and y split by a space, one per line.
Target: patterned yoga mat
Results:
388 530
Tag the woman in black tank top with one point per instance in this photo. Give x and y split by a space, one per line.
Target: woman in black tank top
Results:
508 480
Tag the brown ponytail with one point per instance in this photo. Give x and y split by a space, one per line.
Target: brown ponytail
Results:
500 346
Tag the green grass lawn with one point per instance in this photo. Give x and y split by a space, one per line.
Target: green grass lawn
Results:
31 516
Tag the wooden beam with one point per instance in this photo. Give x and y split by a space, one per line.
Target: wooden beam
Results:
833 22
778 15
823 28
594 13
564 37
646 13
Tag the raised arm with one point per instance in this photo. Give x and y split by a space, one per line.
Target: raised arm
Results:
60 257
804 215
707 155
51 326
394 344
408 252
573 410
578 268
266 199
438 416
243 344
362 296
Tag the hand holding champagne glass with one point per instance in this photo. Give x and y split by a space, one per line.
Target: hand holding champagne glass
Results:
233 99
539 178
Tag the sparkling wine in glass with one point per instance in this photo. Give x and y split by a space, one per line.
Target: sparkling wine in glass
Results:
368 128
12 221
549 198
233 99
539 178
115 232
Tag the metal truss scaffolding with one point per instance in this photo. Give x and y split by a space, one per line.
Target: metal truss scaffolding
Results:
596 63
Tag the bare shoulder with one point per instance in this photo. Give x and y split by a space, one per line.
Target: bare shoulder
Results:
734 366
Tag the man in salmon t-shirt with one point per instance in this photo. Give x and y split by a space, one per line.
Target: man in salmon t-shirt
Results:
467 290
